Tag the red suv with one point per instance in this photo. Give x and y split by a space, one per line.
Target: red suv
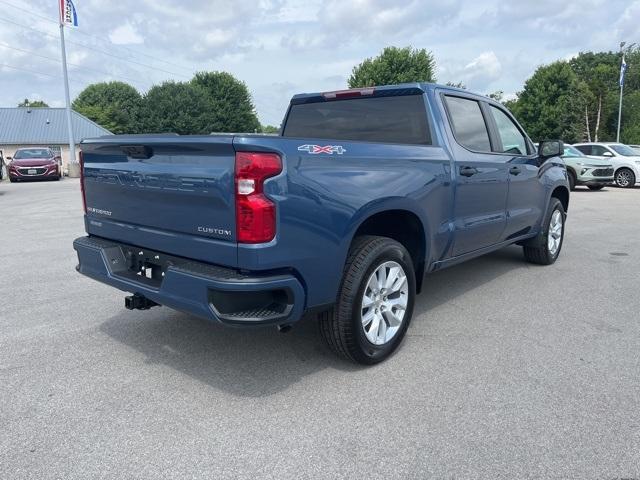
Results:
34 164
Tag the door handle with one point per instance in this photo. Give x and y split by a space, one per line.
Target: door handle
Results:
468 171
515 171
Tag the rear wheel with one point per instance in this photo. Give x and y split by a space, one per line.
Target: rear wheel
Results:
625 178
375 301
596 187
572 180
545 248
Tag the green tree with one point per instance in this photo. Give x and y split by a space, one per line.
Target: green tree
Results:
269 129
630 132
114 105
600 72
498 95
35 103
552 103
394 65
177 107
229 101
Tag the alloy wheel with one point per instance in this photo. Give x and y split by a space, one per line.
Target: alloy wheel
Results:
623 178
554 238
384 303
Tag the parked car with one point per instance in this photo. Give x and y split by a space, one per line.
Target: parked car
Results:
582 170
362 193
34 164
625 160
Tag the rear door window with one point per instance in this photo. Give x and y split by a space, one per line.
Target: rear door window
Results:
468 123
586 149
399 119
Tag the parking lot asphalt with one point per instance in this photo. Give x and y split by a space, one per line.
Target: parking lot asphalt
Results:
509 370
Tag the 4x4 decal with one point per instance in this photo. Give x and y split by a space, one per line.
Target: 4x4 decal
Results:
316 149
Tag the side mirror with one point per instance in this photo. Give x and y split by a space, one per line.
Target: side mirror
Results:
58 158
607 154
550 148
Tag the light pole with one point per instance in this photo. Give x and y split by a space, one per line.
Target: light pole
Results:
623 68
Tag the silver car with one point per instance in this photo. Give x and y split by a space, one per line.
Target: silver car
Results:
625 160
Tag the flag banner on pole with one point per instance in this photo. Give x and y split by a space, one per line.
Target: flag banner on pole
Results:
623 69
68 15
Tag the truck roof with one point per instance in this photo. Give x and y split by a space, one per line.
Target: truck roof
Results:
376 91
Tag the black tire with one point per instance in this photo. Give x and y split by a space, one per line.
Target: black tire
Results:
625 178
537 250
341 327
596 187
572 180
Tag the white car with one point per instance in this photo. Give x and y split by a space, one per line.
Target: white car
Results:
625 160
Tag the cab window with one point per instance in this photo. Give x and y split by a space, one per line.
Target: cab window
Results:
467 121
513 141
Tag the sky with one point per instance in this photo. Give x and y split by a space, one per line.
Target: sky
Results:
282 47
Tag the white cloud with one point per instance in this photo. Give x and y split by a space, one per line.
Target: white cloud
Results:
628 25
280 47
484 65
125 34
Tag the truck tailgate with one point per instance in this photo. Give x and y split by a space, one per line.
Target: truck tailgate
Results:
169 193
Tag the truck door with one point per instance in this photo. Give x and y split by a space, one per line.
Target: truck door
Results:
481 176
527 194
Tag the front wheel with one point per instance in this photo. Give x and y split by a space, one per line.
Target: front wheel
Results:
545 248
375 301
625 178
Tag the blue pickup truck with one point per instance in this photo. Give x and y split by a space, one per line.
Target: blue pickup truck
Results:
340 216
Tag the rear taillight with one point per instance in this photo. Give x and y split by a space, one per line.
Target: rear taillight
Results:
255 213
84 196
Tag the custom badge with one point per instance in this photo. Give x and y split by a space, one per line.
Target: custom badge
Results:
316 149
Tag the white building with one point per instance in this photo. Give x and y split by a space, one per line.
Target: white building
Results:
43 127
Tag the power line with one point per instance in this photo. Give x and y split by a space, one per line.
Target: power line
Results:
33 71
48 19
104 39
2 44
95 49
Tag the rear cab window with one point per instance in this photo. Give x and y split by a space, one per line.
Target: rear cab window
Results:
391 119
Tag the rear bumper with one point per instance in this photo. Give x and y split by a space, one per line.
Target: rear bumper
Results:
212 292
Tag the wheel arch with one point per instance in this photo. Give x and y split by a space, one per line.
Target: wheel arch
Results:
402 225
561 192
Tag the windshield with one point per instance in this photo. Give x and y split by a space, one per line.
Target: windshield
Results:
32 153
624 150
570 151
